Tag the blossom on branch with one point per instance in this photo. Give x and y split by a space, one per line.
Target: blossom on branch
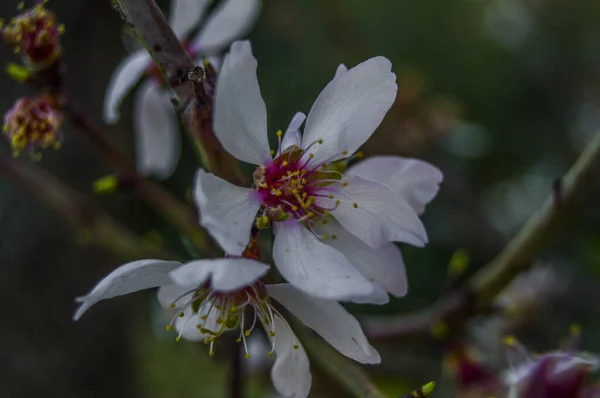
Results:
35 35
211 297
32 124
155 123
333 229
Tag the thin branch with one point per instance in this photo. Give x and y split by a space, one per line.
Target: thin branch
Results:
480 291
102 229
175 211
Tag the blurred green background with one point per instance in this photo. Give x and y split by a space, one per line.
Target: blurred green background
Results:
501 95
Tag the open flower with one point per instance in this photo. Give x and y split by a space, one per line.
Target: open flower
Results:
32 124
333 230
155 124
211 297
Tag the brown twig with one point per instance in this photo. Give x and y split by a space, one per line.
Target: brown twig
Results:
480 291
175 211
101 228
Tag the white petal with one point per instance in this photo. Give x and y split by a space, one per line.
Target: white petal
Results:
292 135
329 319
314 267
379 297
240 115
185 326
128 278
232 20
172 294
158 145
350 108
226 211
416 181
185 15
291 371
224 274
341 69
379 217
383 266
126 75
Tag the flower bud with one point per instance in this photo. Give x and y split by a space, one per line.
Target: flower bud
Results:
35 35
32 124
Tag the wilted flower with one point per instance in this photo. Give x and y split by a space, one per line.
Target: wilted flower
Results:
155 124
556 374
333 230
35 35
211 297
32 124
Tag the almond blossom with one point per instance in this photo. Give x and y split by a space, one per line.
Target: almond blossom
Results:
211 297
155 125
333 230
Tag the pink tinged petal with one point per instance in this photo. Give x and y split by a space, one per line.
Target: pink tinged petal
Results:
372 212
350 108
126 75
292 135
416 181
226 211
329 319
128 278
158 145
341 69
232 20
186 14
314 267
384 266
224 274
240 118
291 372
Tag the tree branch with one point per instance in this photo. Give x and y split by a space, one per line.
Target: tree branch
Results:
103 230
479 292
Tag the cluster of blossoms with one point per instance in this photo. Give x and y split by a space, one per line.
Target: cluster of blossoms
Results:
33 124
34 34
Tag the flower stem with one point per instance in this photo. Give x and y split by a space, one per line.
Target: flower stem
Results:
478 294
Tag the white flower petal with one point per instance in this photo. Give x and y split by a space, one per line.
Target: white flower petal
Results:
291 372
383 266
226 211
128 278
329 319
158 145
316 268
350 108
126 75
224 274
185 326
416 181
341 69
172 294
240 115
186 14
292 135
232 20
379 297
379 216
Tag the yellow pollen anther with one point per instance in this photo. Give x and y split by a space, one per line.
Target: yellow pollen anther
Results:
510 341
279 133
272 152
294 191
330 196
247 356
359 155
211 353
206 341
345 153
172 305
337 202
181 314
270 353
238 340
320 141
177 339
284 163
169 328
211 338
345 183
326 212
296 346
326 236
312 155
355 205
264 185
247 333
334 237
271 333
294 208
203 317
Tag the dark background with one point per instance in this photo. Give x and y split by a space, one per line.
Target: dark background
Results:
501 95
